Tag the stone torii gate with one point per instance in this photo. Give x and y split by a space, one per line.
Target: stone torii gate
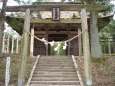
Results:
63 7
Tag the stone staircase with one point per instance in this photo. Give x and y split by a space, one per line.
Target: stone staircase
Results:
55 71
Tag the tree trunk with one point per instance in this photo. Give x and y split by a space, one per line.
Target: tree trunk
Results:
86 48
2 24
96 50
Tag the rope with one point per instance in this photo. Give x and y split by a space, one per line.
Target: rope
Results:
58 41
75 36
36 37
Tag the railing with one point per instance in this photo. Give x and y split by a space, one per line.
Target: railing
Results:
32 71
108 47
78 74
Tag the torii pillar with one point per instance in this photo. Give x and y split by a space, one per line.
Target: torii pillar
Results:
22 71
79 42
32 42
86 48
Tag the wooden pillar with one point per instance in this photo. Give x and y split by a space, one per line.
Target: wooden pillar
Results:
32 42
86 48
69 42
69 48
79 41
8 36
3 43
21 78
12 50
17 45
109 46
47 46
2 19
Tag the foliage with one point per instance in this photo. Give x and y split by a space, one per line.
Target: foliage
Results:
108 30
71 0
60 50
23 2
99 60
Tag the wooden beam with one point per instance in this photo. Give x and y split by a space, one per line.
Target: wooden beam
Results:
86 48
55 32
45 21
22 70
49 6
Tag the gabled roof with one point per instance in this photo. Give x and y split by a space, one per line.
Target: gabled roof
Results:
17 23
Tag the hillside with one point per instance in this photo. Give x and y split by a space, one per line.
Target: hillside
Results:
15 62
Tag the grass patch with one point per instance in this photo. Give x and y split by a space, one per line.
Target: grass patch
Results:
99 60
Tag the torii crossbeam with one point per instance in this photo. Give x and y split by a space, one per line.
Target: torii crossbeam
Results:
47 6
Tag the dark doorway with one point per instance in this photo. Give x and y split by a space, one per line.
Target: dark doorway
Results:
57 37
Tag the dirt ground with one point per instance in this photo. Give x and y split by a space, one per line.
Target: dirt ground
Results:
103 71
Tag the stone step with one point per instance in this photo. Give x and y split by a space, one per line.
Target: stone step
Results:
54 62
55 79
54 75
55 65
55 57
56 82
54 70
51 85
62 73
44 66
59 67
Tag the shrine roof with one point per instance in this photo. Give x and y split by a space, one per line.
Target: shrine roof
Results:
17 23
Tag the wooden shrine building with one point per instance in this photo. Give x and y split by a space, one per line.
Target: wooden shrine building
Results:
55 28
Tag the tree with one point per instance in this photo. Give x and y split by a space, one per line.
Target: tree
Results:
71 0
2 19
23 2
109 31
96 50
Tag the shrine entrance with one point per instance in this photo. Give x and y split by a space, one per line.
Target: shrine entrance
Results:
56 32
56 38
